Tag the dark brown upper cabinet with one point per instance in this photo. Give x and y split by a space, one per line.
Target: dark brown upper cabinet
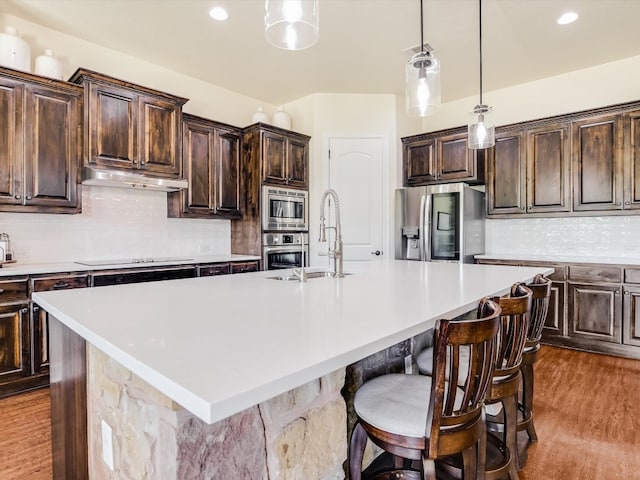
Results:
506 185
40 139
597 163
129 126
582 163
529 171
284 155
211 164
631 125
441 157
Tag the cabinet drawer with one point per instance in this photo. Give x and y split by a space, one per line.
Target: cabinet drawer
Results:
595 273
215 269
632 275
242 267
59 282
14 290
559 271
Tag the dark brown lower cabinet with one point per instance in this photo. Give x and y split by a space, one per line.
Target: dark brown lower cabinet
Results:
14 342
595 312
631 320
593 307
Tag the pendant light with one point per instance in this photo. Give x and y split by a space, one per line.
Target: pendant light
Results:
481 123
422 79
292 24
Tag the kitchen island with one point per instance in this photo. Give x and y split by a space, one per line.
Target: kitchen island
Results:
236 358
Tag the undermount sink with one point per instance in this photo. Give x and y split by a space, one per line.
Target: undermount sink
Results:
310 275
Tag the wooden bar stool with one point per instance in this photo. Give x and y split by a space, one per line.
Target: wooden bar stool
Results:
418 419
541 288
502 397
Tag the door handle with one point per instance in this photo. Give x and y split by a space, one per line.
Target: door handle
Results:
377 253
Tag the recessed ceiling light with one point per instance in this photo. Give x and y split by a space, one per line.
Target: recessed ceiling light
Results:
218 13
567 18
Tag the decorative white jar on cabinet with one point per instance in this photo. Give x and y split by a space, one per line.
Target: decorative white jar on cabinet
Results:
260 116
14 51
281 119
48 65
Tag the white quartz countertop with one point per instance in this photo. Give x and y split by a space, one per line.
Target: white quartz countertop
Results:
609 260
218 345
21 268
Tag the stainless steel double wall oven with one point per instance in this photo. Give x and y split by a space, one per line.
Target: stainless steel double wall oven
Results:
285 227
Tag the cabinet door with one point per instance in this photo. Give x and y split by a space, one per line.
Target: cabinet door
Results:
555 324
227 171
632 161
40 318
14 342
631 327
506 182
595 312
456 162
548 183
597 163
159 136
113 132
11 141
51 151
198 145
298 163
419 162
274 155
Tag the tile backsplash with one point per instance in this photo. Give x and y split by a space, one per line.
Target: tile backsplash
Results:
616 236
114 223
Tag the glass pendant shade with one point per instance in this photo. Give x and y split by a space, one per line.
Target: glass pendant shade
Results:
481 127
292 24
422 81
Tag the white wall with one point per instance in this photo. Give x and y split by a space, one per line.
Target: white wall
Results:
119 223
602 85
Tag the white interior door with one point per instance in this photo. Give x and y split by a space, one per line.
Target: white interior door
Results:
355 173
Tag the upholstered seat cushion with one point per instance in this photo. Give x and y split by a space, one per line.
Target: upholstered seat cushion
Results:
396 403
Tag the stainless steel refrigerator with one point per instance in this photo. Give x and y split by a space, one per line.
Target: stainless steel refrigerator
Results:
439 223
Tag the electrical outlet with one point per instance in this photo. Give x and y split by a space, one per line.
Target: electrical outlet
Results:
107 445
408 365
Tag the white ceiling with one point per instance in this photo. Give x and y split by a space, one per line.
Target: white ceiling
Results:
361 41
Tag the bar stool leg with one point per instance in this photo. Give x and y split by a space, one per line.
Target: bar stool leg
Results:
356 452
527 400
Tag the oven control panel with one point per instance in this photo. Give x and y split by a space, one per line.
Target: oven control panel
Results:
285 238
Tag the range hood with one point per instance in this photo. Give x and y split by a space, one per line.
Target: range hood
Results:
125 179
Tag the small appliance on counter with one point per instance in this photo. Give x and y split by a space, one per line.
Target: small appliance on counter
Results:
439 223
6 254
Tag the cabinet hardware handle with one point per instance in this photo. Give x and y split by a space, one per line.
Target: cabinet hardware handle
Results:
141 162
18 197
29 197
1 291
618 204
59 285
626 293
36 308
627 203
24 310
377 253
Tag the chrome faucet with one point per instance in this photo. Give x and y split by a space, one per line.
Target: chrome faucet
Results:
301 273
336 253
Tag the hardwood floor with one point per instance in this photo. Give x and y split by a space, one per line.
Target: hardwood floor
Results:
25 436
585 415
585 410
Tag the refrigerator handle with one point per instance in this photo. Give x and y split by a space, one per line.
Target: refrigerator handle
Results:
426 219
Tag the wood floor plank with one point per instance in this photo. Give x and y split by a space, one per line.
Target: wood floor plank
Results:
25 436
584 414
